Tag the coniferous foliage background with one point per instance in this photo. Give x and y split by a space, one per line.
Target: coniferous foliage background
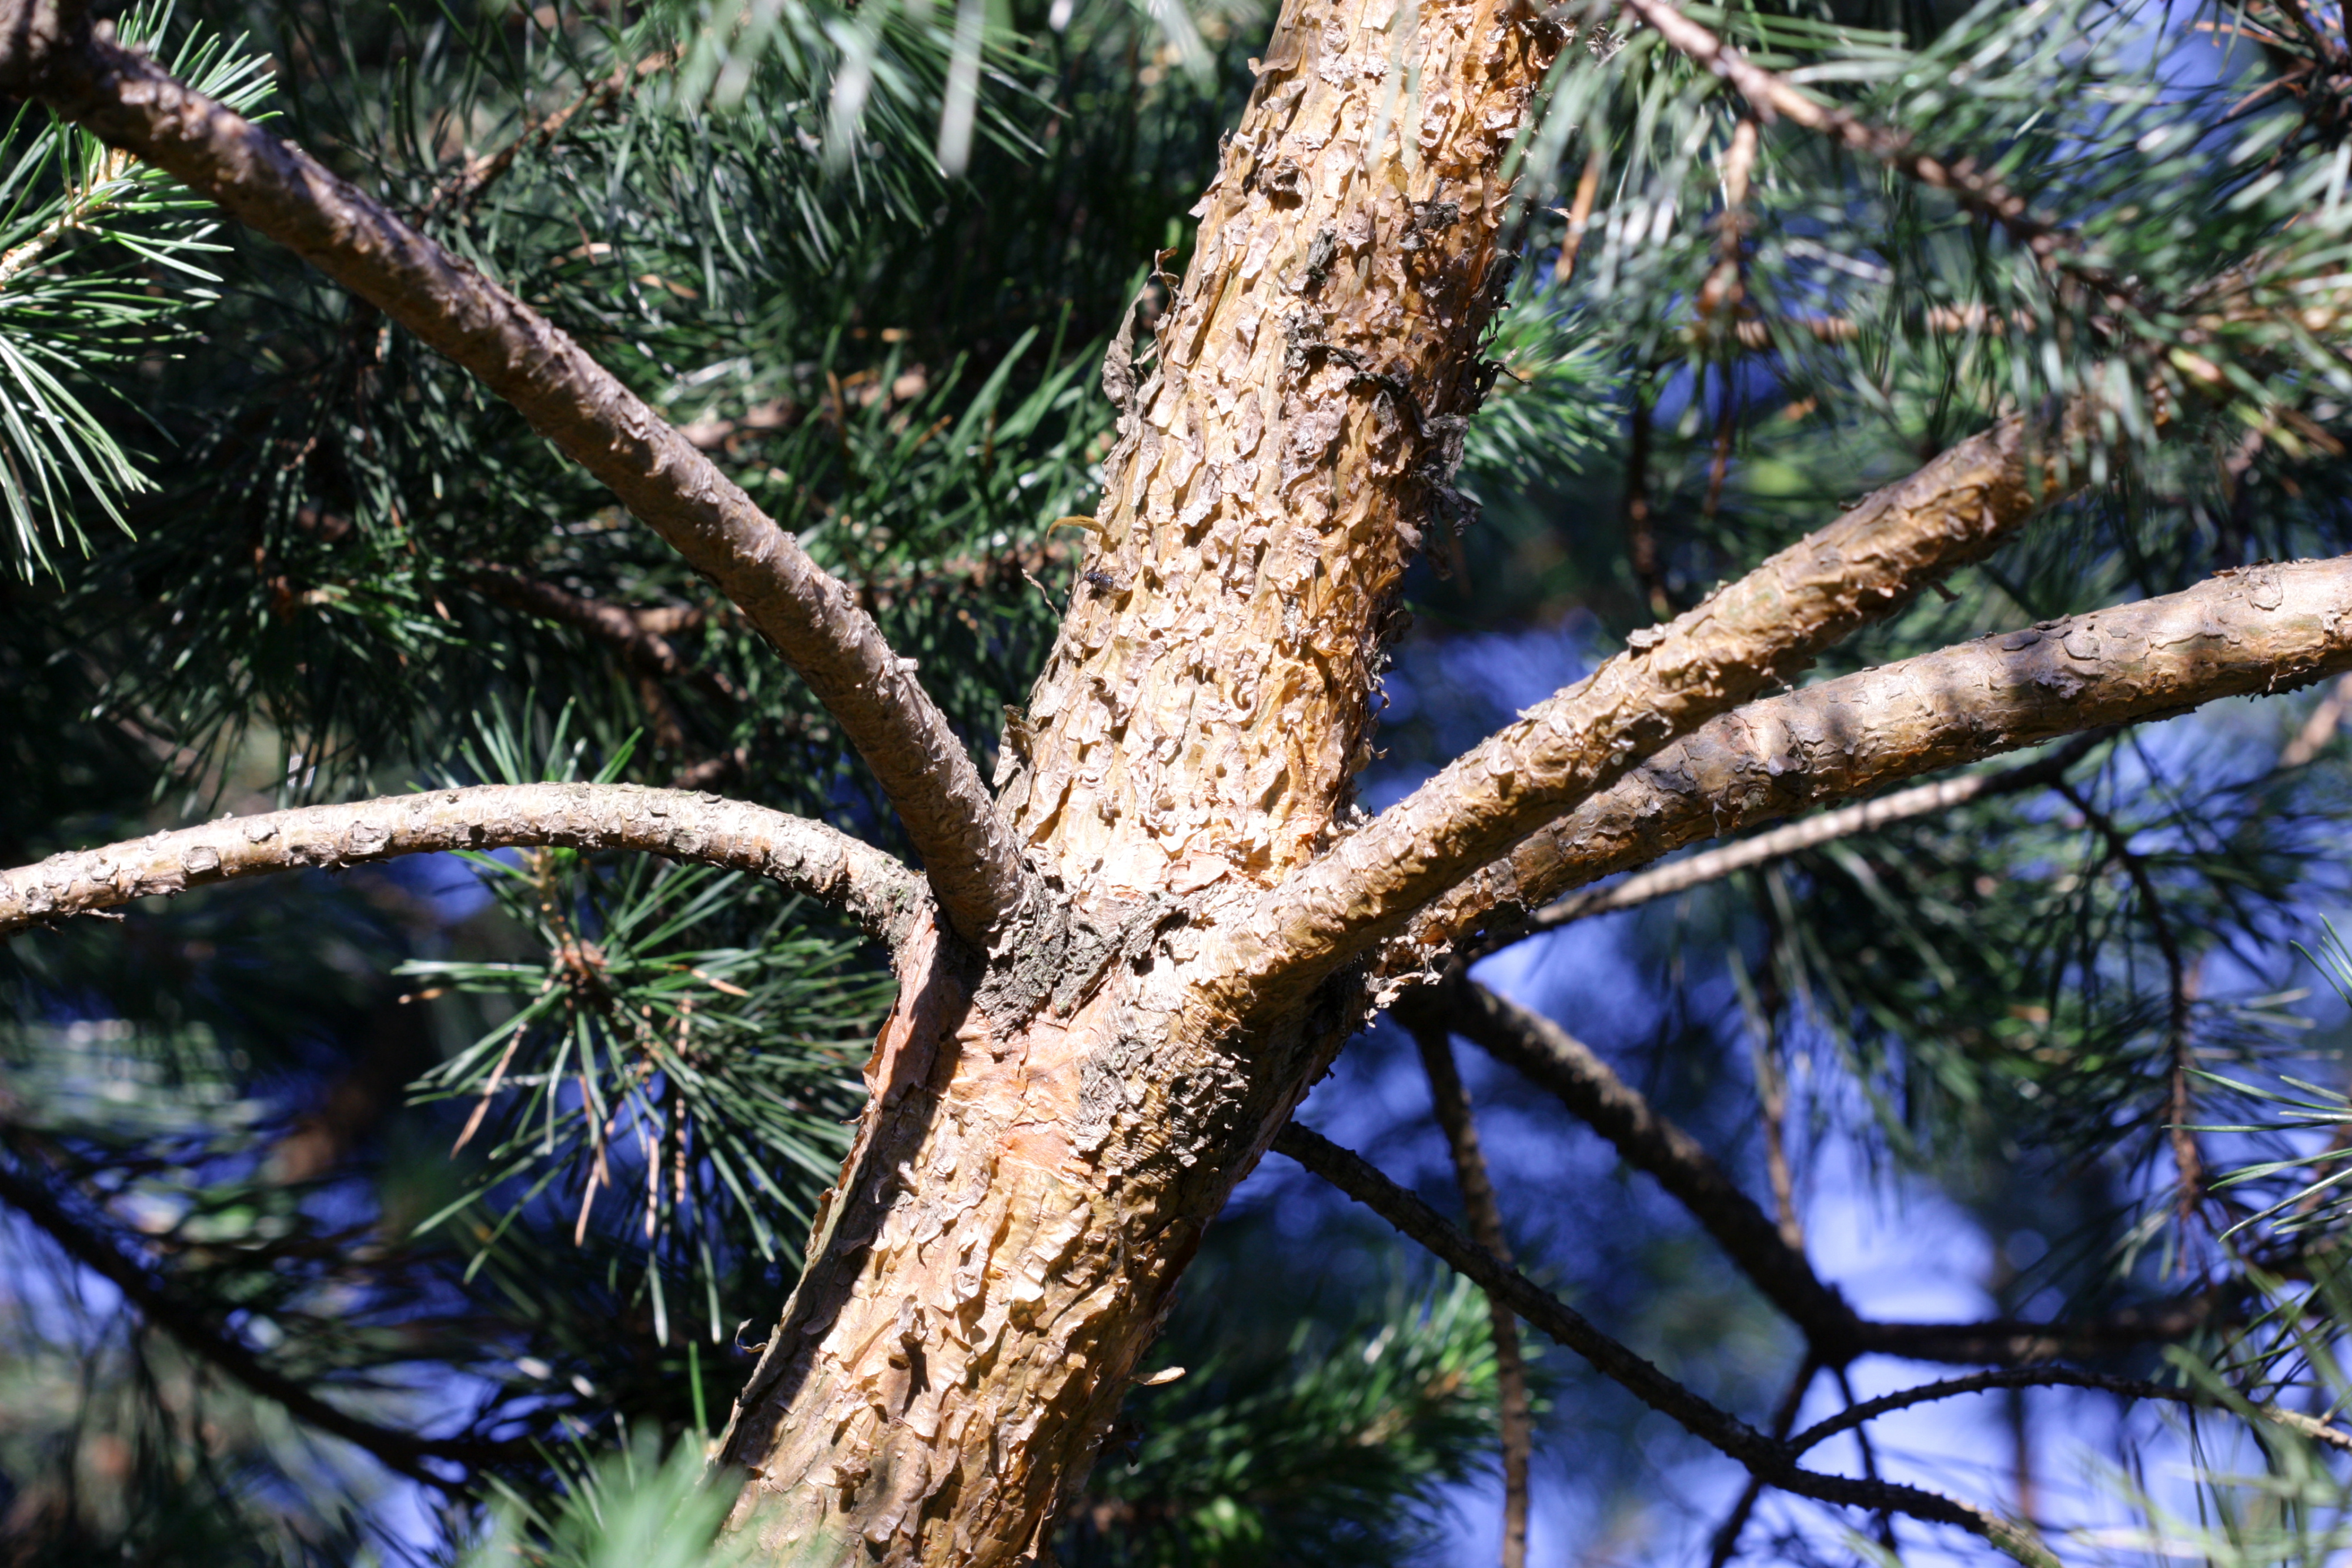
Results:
503 1160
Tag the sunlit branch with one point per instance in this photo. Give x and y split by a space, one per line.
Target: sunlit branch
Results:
1768 1460
808 857
2260 629
50 53
1748 634
2326 718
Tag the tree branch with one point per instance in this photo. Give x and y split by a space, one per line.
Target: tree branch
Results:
1855 1415
2260 630
403 1452
1542 1052
2009 1342
1548 1056
1714 865
1450 1100
473 181
1725 1544
1759 630
1764 1458
973 864
882 895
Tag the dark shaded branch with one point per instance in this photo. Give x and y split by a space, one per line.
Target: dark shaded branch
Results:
1726 1543
2260 630
1450 1100
882 895
645 649
2011 1341
1546 1055
473 181
1772 96
403 1452
1764 1458
1855 1415
129 101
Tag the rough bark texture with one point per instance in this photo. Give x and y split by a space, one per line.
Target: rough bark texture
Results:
2261 629
1211 697
877 892
811 618
1027 1188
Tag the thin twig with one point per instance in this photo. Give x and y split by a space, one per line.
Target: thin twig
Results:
1450 1100
1580 216
1719 1428
1772 1085
1547 1055
1641 542
1772 96
2327 717
82 206
624 629
1540 1050
1869 1464
1780 844
1853 1416
474 181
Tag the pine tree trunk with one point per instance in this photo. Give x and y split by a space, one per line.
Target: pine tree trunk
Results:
1054 1125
